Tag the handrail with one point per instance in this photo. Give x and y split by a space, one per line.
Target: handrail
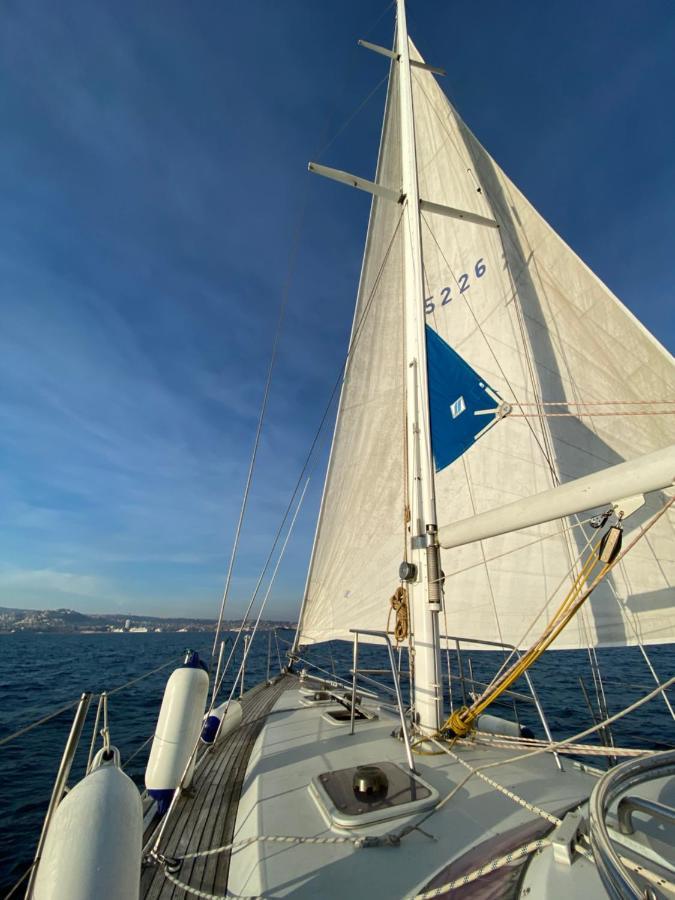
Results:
628 805
615 877
501 645
399 699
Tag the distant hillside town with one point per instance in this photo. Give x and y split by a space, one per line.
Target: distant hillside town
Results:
69 621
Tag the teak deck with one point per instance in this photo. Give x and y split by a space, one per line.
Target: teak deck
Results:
206 816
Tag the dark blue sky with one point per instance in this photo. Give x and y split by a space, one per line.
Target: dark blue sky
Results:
152 168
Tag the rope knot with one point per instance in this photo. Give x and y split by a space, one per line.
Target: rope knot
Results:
399 603
457 723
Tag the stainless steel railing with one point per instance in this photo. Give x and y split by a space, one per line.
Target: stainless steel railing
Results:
499 645
628 805
397 686
61 780
618 881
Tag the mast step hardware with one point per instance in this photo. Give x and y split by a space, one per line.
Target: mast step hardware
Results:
393 55
354 181
452 213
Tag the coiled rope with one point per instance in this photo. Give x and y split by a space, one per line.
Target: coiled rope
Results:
399 604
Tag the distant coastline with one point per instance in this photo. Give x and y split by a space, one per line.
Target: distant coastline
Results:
69 621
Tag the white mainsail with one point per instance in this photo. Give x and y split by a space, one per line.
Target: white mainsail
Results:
360 533
527 314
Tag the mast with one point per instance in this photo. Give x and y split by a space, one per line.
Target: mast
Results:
425 591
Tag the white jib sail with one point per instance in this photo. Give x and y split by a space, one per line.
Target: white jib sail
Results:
530 317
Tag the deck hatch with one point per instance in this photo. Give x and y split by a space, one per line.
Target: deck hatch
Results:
336 795
342 716
321 697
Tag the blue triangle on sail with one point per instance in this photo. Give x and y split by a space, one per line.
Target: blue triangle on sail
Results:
456 393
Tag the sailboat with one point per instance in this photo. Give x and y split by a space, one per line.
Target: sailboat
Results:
500 477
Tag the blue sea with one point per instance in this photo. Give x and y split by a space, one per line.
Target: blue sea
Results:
40 672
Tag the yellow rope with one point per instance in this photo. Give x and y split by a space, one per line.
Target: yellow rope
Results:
461 722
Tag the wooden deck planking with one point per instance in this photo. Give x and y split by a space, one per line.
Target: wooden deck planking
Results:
206 818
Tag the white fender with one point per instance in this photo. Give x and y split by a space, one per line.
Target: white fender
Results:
93 847
497 725
178 727
229 715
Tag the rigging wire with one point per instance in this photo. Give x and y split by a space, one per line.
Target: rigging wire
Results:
282 310
484 336
61 709
40 721
461 721
261 418
242 665
600 403
312 448
542 405
591 414
539 540
350 118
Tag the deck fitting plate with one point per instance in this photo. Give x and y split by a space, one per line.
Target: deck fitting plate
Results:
406 795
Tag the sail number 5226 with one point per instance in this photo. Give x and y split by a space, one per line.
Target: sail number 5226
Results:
463 284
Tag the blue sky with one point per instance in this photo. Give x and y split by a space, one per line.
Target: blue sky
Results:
152 168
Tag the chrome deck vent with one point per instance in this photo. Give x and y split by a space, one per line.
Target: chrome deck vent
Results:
361 795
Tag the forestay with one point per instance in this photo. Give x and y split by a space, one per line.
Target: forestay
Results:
531 319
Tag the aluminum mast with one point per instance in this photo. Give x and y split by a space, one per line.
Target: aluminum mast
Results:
425 592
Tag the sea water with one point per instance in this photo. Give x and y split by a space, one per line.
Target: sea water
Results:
40 672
